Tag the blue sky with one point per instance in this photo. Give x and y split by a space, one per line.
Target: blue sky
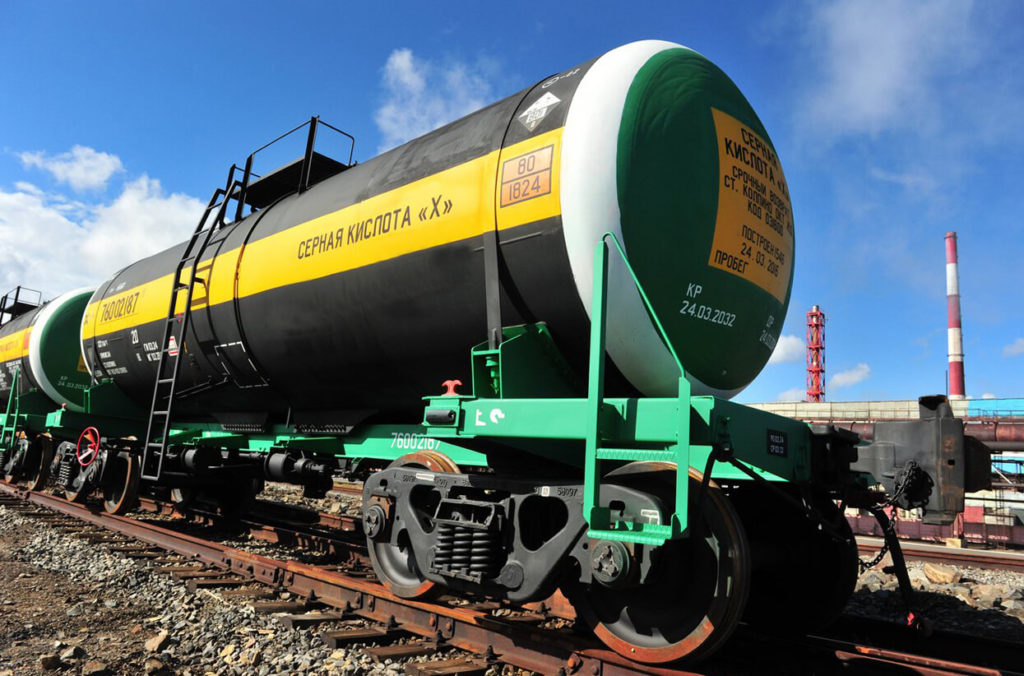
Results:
895 121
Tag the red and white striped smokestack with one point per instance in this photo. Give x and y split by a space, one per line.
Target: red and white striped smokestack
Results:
956 337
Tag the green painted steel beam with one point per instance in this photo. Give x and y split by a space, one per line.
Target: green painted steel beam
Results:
636 421
596 516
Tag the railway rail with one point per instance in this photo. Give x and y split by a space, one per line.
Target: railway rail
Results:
354 594
291 525
465 627
936 553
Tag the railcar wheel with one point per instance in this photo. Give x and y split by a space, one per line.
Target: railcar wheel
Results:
395 564
787 546
697 588
79 496
122 494
17 460
39 473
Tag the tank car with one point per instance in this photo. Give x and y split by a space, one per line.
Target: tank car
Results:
41 367
522 331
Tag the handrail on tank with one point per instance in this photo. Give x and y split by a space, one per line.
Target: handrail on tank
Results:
312 123
13 303
643 295
307 122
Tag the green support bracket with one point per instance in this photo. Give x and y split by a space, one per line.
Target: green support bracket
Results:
498 372
678 451
105 396
597 517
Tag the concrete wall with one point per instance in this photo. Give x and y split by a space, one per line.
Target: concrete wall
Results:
863 410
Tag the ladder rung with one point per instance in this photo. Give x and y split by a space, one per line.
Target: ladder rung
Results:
160 413
650 534
163 381
635 454
156 444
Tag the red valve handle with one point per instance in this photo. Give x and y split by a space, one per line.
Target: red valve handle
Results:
87 455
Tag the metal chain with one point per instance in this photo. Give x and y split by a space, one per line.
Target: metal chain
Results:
907 477
890 530
903 481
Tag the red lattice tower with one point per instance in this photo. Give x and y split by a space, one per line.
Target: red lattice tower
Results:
815 355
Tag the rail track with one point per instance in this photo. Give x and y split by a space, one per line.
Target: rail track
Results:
936 553
354 594
523 638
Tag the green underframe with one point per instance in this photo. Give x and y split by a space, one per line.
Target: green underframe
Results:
683 430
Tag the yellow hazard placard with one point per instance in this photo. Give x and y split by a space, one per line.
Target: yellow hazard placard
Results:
526 176
754 223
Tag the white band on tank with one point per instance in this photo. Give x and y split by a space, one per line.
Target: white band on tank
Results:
35 344
590 208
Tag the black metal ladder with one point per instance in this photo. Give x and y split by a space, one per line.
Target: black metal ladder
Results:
175 328
297 176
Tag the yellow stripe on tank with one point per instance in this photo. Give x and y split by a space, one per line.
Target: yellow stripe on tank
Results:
15 346
452 205
446 207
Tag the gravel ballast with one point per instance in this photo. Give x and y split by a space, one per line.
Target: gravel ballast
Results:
69 606
59 592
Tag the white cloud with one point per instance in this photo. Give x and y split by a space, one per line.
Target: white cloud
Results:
25 186
1015 348
794 394
988 395
788 349
37 244
52 244
141 221
82 167
857 374
882 62
916 183
423 95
